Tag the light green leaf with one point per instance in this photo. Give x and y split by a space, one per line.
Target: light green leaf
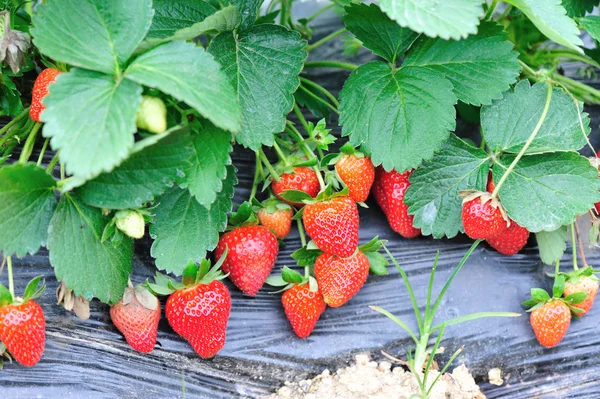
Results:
549 190
433 194
223 20
209 164
27 203
99 35
578 8
262 63
389 113
508 123
184 230
592 25
145 175
91 120
378 32
549 16
173 15
190 74
480 67
87 266
552 244
448 19
249 10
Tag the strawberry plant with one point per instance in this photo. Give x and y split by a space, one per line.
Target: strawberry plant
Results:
140 104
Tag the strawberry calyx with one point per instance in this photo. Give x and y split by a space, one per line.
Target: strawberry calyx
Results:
143 295
271 205
244 216
32 291
574 276
377 261
540 297
485 197
290 278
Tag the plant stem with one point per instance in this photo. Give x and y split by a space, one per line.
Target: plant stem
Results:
574 247
301 118
527 144
326 39
43 151
28 147
268 165
580 245
280 153
283 16
321 89
52 164
256 178
319 12
13 122
319 99
490 11
307 151
301 233
11 283
330 64
527 68
573 55
505 12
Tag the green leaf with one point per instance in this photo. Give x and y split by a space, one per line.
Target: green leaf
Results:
276 281
183 229
296 196
191 75
223 20
549 190
262 63
448 19
27 203
209 163
388 112
87 266
559 286
552 244
306 257
539 295
290 275
249 10
549 16
578 8
508 123
145 175
592 25
377 263
378 32
480 67
91 120
173 15
433 194
99 35
576 297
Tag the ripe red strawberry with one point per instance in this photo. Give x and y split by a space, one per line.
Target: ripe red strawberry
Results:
482 216
550 322
583 284
333 225
23 331
490 183
511 240
137 315
303 179
389 190
279 221
200 314
340 278
40 90
252 253
358 174
303 308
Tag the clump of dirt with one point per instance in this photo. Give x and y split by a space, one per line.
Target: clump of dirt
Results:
371 380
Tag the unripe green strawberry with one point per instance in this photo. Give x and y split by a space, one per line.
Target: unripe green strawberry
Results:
130 222
152 115
23 331
303 308
340 279
40 90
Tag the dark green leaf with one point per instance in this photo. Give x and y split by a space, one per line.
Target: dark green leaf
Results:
378 32
315 107
183 229
173 15
578 8
306 257
480 67
295 196
508 123
576 298
262 63
549 190
145 175
433 194
249 10
552 244
27 203
91 120
99 35
388 113
87 266
203 86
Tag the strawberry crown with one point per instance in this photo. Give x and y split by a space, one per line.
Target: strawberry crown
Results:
32 291
540 297
574 276
271 205
244 216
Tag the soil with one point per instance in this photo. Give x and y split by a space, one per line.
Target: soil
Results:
367 379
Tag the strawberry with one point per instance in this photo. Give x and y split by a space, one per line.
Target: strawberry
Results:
302 179
278 220
490 187
340 279
333 225
550 322
303 308
358 174
252 253
137 315
40 90
389 190
482 216
511 240
198 310
576 282
152 115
